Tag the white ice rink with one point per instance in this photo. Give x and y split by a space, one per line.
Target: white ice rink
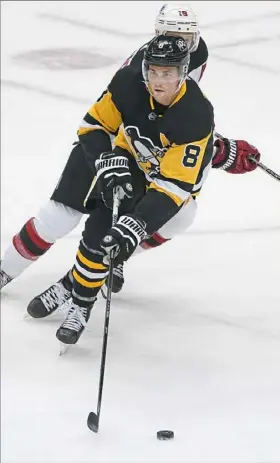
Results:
194 340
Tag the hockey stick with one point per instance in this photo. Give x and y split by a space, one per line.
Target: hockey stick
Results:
93 418
263 167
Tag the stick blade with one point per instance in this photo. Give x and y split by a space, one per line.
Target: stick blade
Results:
93 422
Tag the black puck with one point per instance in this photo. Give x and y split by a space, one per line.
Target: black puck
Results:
165 435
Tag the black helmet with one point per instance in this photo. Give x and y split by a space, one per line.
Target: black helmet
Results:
166 50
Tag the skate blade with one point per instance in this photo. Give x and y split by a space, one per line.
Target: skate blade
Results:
63 348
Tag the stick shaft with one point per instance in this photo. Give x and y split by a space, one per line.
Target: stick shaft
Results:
265 168
116 204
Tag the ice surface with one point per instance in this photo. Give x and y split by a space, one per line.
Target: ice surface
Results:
194 340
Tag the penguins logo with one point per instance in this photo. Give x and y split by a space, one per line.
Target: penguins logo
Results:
144 147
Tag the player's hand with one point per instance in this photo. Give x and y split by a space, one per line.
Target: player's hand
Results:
233 156
112 171
123 238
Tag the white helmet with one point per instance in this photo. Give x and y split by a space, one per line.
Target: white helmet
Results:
178 18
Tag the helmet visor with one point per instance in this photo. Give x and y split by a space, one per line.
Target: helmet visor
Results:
154 74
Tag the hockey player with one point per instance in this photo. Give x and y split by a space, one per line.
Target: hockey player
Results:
162 154
178 18
64 210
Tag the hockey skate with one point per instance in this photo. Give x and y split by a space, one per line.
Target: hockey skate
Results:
4 279
74 324
50 300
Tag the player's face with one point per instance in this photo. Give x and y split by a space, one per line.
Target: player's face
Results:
163 82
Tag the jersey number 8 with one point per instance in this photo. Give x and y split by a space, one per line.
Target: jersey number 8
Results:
191 155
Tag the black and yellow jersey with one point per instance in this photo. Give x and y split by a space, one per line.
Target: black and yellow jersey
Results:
197 65
172 145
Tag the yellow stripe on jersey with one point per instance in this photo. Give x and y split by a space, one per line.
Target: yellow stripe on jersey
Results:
169 191
164 140
87 284
151 98
106 113
181 93
89 263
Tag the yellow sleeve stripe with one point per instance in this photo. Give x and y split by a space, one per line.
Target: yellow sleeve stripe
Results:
91 284
106 113
89 263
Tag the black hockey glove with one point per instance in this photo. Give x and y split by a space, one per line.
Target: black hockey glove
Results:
123 238
112 171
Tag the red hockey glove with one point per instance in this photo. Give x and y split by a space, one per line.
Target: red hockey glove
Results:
233 156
